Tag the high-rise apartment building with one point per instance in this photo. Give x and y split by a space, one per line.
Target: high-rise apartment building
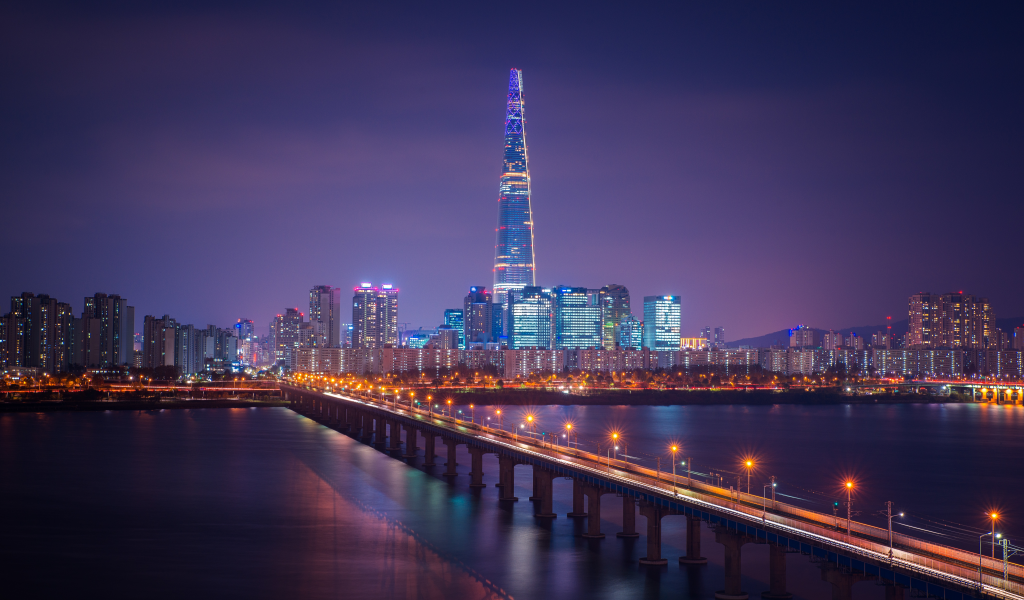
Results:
117 327
285 332
1018 338
953 320
478 316
803 337
453 320
325 316
375 316
513 248
531 317
614 301
661 322
158 341
577 318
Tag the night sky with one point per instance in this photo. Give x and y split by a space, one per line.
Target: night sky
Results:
773 164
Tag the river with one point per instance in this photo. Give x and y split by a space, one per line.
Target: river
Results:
264 503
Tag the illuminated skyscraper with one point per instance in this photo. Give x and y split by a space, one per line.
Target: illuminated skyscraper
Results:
513 249
614 301
661 322
577 318
477 316
531 315
375 316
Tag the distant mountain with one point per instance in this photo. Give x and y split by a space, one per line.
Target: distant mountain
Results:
899 328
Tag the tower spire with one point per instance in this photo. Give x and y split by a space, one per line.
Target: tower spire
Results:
513 248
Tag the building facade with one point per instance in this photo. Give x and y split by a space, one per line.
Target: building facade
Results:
661 322
531 317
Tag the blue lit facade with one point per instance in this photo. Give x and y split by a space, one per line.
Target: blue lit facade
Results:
453 318
513 248
661 322
531 313
577 318
630 333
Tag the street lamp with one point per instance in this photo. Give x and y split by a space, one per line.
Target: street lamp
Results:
674 450
449 407
849 511
568 433
995 536
993 516
499 418
764 498
749 465
615 439
472 413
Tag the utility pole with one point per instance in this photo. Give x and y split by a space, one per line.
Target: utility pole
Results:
888 514
774 507
659 467
689 464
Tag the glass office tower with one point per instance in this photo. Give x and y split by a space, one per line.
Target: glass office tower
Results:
513 248
661 322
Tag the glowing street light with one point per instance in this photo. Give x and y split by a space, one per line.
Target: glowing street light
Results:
674 450
849 509
993 516
750 465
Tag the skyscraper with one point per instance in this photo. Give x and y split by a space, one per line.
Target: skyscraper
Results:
577 318
513 248
453 319
375 316
614 300
530 317
661 322
477 315
325 316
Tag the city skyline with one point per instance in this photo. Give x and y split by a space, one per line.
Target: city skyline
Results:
754 172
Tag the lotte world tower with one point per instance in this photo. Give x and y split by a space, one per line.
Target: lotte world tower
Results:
513 248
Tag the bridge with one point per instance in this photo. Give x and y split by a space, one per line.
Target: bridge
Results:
864 553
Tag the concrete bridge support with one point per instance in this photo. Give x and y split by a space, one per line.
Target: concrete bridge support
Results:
346 419
378 431
366 428
628 518
507 474
842 582
732 542
395 437
894 592
411 445
578 509
693 556
776 574
536 490
593 494
654 516
451 464
428 448
476 474
544 492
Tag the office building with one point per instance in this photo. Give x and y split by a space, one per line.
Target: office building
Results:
453 320
513 248
577 318
631 333
614 302
531 317
478 316
661 322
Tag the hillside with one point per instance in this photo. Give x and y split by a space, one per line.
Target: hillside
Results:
781 338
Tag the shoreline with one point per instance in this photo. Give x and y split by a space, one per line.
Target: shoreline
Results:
29 407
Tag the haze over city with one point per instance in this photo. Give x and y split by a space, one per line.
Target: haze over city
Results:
770 165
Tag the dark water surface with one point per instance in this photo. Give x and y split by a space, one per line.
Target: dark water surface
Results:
264 503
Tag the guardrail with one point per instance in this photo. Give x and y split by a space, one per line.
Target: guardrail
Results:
820 526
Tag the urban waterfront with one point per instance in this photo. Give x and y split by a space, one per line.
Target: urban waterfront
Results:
266 503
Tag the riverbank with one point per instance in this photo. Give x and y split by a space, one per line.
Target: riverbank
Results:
22 407
678 398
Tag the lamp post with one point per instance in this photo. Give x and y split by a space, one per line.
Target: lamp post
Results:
993 516
499 419
750 465
449 408
615 439
568 433
674 450
689 466
980 538
849 511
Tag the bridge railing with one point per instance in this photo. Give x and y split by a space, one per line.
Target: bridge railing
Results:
819 524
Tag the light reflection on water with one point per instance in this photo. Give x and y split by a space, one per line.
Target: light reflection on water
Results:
266 503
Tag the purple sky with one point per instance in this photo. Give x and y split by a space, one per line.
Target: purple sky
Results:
808 164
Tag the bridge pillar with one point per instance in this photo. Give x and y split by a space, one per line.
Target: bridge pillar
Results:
476 473
577 500
365 427
544 491
346 415
842 582
693 556
411 444
379 430
428 448
894 592
732 542
593 494
507 474
536 490
776 574
450 471
654 516
395 438
628 518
